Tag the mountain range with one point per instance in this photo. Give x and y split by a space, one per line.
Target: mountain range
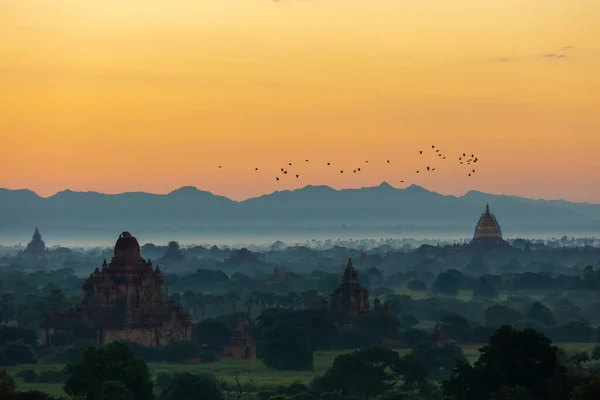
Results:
311 206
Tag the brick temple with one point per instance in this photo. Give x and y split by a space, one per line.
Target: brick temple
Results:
125 300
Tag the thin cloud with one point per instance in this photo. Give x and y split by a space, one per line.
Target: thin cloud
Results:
553 55
504 60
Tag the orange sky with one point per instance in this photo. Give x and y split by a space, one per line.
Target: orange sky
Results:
152 95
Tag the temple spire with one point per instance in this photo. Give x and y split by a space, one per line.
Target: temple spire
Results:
487 208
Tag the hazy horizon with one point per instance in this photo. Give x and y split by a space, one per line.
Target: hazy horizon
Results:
263 236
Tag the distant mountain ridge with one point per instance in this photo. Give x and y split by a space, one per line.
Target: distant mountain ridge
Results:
381 205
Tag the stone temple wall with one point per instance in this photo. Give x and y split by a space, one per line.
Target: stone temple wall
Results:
147 336
144 337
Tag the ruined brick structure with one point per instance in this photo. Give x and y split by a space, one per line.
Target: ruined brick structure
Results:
6 386
125 300
440 337
275 277
241 346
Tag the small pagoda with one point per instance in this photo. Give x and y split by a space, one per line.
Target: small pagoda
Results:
351 299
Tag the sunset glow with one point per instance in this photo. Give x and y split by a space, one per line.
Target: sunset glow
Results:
152 95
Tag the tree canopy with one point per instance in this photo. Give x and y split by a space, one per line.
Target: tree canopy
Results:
109 363
512 358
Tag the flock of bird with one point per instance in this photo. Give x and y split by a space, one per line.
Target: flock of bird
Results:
465 159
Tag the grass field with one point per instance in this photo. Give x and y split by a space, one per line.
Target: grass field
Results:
254 370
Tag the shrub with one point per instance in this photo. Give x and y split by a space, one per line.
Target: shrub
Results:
52 376
28 375
163 380
70 354
17 353
416 285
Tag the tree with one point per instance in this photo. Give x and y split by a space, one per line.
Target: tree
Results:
366 373
499 314
512 393
439 361
29 395
212 332
232 298
375 326
285 347
191 387
512 358
112 362
7 307
484 289
237 390
587 391
115 390
446 283
317 325
414 369
16 334
16 353
539 312
475 265
29 311
579 358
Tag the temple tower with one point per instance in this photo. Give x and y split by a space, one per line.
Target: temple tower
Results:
36 247
487 230
350 296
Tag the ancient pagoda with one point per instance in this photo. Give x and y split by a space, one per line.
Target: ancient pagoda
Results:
126 301
487 231
36 247
350 299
